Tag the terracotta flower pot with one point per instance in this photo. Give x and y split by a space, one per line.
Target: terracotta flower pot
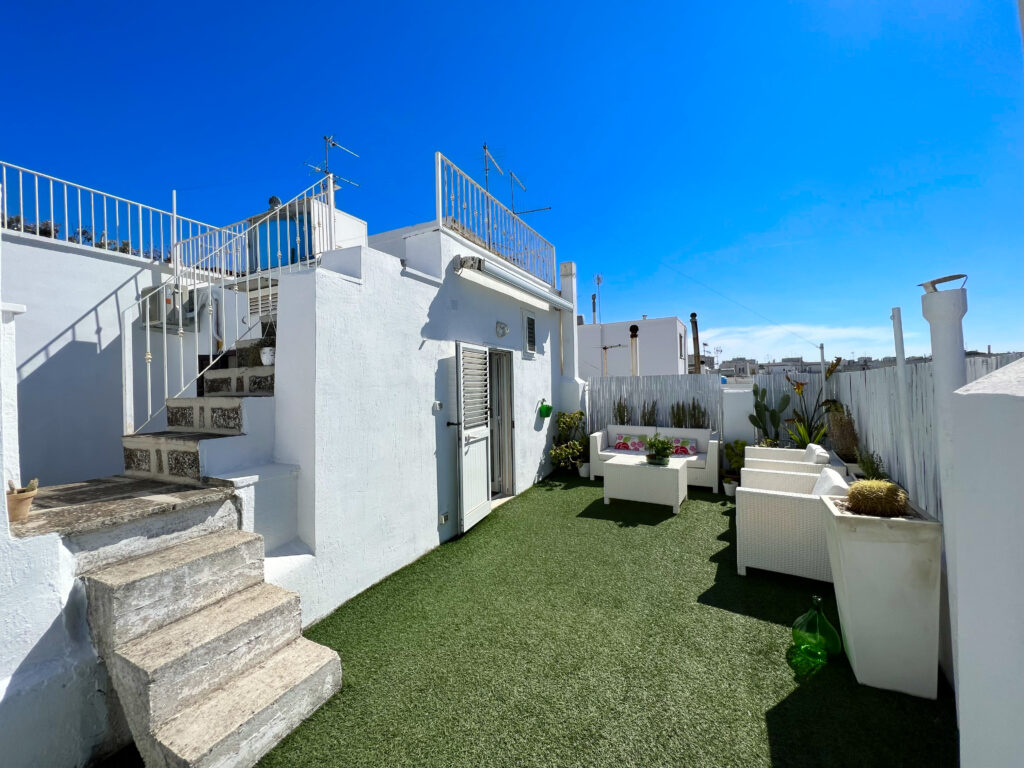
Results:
18 505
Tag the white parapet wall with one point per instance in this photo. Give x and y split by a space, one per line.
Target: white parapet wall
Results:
986 505
364 394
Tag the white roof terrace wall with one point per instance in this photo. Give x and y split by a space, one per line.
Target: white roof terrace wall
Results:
658 347
48 670
365 353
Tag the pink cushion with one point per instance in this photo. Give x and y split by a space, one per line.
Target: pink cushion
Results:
684 446
634 443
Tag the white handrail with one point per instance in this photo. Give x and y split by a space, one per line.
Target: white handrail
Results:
245 257
70 212
466 208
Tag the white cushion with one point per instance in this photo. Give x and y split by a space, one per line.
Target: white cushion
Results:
815 454
830 483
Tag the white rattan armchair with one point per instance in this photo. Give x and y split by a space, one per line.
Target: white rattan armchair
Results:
811 459
780 524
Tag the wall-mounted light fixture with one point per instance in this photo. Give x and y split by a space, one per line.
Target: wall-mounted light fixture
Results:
501 329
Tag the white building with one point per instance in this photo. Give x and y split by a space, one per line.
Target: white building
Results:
405 396
661 348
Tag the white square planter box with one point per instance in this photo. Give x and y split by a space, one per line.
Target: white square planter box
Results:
887 574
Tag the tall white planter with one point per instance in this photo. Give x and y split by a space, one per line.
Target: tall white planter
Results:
887 573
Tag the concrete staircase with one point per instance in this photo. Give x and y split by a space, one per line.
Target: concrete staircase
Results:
206 658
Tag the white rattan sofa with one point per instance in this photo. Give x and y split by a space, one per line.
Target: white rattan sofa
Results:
811 459
780 521
701 468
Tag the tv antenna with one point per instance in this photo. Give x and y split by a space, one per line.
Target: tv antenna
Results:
512 181
329 142
489 156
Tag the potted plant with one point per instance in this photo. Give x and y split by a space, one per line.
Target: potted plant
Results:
734 456
886 564
19 500
571 448
658 450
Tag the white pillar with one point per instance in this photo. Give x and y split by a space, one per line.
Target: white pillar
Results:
944 311
572 387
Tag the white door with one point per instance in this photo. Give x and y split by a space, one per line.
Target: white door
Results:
474 434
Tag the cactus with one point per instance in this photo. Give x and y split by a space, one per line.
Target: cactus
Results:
649 414
879 498
765 418
32 486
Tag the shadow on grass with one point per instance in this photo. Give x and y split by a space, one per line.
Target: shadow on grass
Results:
774 597
814 726
628 514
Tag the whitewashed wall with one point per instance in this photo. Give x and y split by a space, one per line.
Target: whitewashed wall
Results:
48 670
604 392
872 396
658 347
365 348
985 515
69 353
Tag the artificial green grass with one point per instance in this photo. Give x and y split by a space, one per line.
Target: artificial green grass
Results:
563 632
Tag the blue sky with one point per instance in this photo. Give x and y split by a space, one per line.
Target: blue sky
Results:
803 164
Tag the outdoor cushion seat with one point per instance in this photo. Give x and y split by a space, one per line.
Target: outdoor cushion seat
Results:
701 467
780 521
811 459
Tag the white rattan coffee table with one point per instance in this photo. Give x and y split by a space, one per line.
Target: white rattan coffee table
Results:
631 478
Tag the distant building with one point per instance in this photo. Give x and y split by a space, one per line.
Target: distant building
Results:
604 348
739 366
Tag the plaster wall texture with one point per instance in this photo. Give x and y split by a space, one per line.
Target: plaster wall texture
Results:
737 405
365 349
659 347
49 672
985 503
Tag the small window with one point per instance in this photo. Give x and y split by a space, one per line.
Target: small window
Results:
529 334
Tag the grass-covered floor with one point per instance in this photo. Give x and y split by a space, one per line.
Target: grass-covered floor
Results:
563 632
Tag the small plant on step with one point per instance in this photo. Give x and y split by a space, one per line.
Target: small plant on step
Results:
32 486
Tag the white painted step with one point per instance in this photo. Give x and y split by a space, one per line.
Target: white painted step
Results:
133 597
169 669
236 725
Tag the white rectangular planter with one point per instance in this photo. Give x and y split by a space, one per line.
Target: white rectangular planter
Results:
886 573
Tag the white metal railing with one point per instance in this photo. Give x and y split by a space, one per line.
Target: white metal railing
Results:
211 270
466 208
44 205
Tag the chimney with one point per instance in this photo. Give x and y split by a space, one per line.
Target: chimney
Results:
644 317
634 350
593 308
696 343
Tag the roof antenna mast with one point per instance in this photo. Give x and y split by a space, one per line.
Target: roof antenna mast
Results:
326 169
490 157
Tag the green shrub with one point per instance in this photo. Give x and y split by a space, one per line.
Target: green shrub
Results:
734 455
871 465
567 456
880 498
623 413
649 414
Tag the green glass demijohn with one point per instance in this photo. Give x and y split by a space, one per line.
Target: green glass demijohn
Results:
814 636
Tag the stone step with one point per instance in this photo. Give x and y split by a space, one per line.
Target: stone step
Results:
240 722
180 456
223 416
252 381
134 597
165 671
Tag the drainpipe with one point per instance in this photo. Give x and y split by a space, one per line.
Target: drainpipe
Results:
944 311
634 350
696 343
